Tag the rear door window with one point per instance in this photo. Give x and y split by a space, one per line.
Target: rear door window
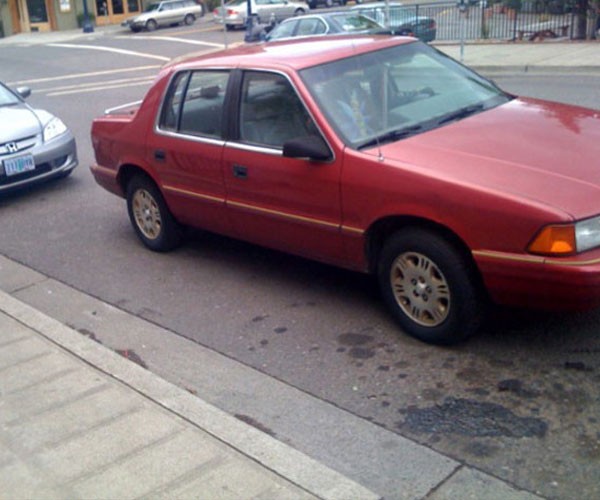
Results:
194 104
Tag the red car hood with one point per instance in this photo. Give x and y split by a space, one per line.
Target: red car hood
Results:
544 152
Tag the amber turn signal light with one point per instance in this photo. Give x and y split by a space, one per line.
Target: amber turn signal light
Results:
554 240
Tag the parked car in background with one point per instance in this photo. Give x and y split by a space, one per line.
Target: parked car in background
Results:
166 13
326 23
34 145
313 4
377 154
234 13
402 19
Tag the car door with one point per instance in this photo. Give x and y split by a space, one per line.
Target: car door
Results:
186 147
286 203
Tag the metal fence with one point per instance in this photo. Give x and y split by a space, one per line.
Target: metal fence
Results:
483 20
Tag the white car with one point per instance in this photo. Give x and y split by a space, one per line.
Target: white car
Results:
235 12
167 13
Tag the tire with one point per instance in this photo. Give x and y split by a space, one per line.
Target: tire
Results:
189 19
299 12
430 288
229 27
151 25
150 217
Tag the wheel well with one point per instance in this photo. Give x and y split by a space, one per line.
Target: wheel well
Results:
379 233
127 172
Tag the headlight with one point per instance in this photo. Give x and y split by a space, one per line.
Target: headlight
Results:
54 128
568 238
587 234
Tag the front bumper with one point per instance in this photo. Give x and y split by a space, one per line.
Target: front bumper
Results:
568 283
54 159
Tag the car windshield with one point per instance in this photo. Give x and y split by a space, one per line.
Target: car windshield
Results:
393 93
7 98
355 22
152 7
236 2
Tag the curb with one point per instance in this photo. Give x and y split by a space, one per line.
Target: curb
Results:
274 455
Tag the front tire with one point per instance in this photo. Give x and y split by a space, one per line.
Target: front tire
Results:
151 25
430 288
150 217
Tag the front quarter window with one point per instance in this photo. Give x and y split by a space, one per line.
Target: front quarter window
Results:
392 93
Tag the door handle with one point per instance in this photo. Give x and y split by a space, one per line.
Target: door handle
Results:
240 172
160 155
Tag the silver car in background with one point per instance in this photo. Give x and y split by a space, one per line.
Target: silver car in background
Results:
34 144
166 13
234 13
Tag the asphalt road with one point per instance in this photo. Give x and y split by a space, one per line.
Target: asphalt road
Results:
520 401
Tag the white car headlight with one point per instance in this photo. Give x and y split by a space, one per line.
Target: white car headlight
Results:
53 129
587 234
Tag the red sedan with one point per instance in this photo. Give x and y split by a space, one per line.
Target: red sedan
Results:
377 154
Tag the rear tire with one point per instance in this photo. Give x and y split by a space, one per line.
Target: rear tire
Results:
430 288
189 19
150 217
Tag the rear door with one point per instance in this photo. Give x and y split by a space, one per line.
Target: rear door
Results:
186 148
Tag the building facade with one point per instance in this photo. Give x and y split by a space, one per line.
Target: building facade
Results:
22 16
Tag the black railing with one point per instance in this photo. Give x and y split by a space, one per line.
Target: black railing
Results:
533 20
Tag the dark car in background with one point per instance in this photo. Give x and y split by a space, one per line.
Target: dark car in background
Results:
326 23
314 4
34 144
402 19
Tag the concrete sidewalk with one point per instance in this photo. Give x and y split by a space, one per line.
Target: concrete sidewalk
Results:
80 421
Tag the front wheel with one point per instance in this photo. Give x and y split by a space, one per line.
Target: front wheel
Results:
151 25
150 217
430 288
299 12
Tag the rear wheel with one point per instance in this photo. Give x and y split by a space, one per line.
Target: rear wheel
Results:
299 12
430 288
151 25
151 219
189 19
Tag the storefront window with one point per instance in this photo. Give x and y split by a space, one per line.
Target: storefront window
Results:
37 11
133 5
118 7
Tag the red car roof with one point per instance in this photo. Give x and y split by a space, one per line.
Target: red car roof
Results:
296 54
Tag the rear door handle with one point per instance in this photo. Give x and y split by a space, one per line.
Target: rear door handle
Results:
160 155
240 172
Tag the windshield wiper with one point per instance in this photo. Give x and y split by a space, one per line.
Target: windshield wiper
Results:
393 135
461 113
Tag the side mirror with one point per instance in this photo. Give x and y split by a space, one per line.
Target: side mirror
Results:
24 92
312 147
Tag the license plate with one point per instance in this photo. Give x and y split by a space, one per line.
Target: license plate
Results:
19 165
